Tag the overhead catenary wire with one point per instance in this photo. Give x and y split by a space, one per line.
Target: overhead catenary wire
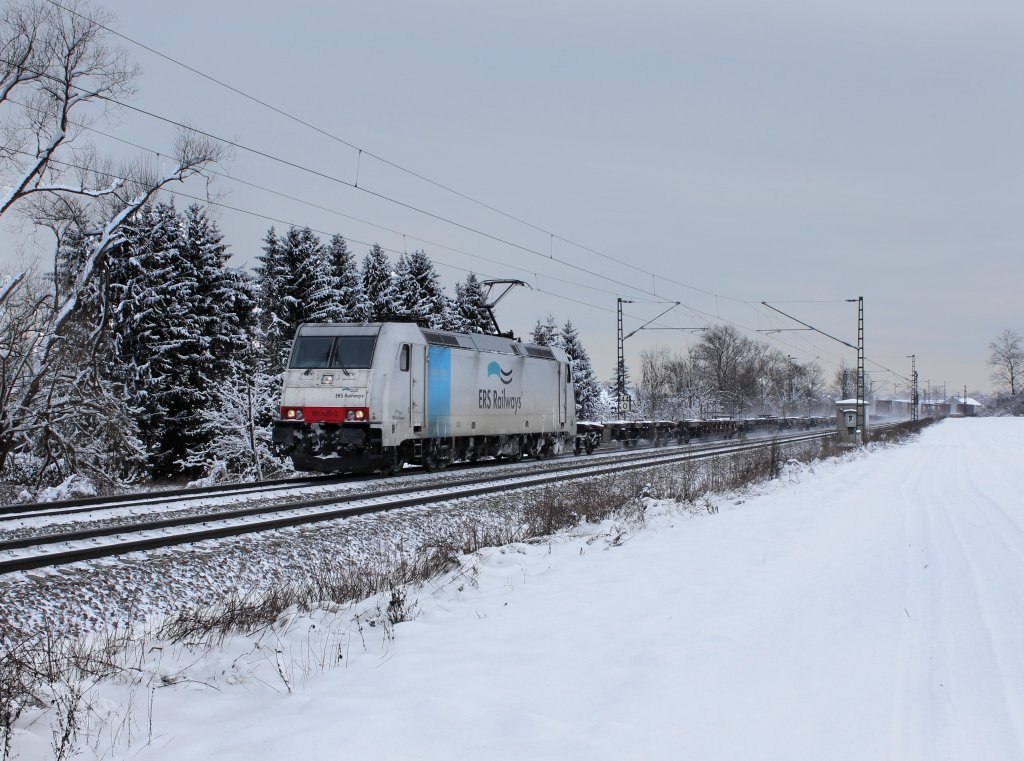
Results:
311 204
361 151
438 217
526 249
277 220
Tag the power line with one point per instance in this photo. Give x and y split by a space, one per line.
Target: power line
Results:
277 220
338 180
311 204
362 151
495 238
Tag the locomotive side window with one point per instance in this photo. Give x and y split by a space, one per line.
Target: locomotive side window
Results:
312 351
403 359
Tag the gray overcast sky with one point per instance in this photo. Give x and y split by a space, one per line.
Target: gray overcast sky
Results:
781 152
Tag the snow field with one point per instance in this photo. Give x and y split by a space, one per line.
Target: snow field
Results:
863 609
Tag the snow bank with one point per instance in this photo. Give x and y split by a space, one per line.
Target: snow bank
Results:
862 610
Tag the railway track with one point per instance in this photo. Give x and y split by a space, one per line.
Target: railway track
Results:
179 499
87 504
65 547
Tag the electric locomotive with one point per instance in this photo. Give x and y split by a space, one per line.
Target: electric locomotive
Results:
375 396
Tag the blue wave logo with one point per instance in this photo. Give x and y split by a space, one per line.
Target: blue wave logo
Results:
505 376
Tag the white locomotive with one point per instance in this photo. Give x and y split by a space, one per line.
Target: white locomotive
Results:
374 396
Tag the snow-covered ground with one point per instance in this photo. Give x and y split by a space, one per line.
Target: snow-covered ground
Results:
867 609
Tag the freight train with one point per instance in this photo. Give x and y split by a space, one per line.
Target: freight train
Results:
375 396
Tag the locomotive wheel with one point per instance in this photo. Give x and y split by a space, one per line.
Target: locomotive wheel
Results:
590 447
394 467
432 460
518 454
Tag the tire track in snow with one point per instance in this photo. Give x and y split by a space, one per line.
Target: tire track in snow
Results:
974 542
913 712
960 650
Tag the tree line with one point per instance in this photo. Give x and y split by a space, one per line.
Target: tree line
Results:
143 354
726 373
171 366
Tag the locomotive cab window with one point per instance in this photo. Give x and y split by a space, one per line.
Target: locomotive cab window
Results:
353 352
339 352
312 351
403 359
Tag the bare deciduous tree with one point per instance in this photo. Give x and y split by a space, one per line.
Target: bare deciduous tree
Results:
1006 357
57 74
844 383
725 372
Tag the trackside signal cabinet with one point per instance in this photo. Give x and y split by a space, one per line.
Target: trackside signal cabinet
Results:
846 422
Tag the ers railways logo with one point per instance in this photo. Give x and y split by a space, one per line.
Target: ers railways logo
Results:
498 398
505 376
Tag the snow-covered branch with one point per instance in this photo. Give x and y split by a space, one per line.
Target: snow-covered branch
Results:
56 58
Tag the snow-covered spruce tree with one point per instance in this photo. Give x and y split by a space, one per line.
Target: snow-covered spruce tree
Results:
149 324
347 283
312 293
546 333
420 293
272 281
471 307
225 299
379 293
296 285
179 325
239 425
588 390
236 427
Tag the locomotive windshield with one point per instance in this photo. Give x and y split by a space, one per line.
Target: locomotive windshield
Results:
343 352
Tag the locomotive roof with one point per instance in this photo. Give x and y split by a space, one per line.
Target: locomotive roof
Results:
474 341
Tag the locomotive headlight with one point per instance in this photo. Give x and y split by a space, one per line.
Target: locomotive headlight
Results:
291 413
327 380
356 413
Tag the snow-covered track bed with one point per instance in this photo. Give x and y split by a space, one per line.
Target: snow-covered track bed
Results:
22 521
57 549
